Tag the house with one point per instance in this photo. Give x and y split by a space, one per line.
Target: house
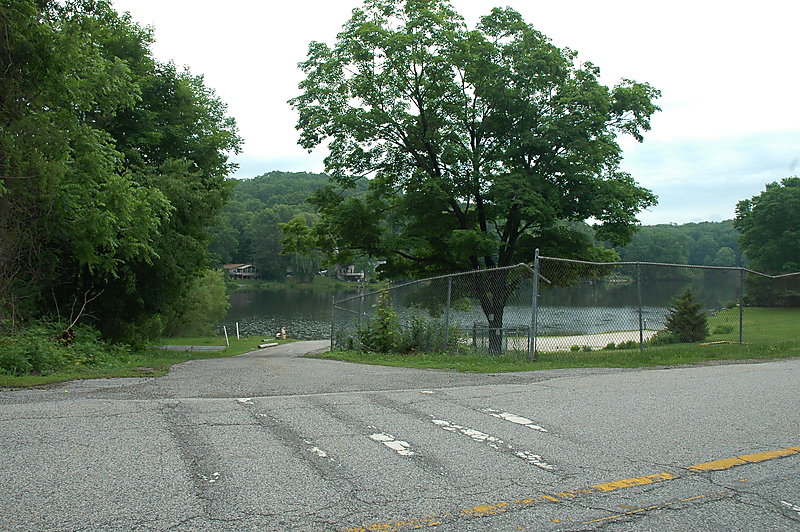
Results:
242 271
349 273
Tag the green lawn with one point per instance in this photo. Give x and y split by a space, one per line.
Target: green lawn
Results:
768 333
145 362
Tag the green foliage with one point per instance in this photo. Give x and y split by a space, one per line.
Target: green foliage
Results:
382 333
770 227
722 329
37 349
112 167
203 307
664 338
481 142
251 226
705 243
425 335
629 344
686 319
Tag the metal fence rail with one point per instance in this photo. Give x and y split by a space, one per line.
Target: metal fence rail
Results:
556 305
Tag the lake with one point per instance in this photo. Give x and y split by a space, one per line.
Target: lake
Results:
305 313
585 309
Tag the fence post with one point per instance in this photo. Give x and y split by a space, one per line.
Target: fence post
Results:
534 307
447 313
639 303
741 303
333 319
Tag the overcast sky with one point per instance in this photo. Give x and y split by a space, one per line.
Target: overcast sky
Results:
728 72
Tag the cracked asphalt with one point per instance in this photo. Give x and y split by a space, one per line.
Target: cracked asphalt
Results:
273 441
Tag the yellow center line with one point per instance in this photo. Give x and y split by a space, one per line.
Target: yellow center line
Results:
654 507
485 510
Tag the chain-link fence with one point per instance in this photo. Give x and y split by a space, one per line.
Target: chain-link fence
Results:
567 305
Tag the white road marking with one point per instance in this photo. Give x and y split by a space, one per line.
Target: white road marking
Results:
319 452
316 450
494 443
513 418
211 479
401 447
791 506
427 392
246 400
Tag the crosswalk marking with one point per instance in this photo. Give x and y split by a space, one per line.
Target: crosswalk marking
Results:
494 443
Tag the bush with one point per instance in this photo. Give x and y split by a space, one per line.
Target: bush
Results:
610 346
382 333
45 348
722 329
685 318
630 344
664 338
425 335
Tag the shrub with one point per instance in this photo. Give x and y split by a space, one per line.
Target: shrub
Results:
610 346
722 329
664 338
586 349
630 344
685 318
425 335
575 348
382 333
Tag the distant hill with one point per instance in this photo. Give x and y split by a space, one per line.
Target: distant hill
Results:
704 243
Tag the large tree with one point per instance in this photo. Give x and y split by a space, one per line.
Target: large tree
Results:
770 237
112 166
479 145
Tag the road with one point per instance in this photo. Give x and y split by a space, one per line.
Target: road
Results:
273 441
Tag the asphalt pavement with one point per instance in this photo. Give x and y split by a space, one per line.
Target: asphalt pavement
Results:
273 441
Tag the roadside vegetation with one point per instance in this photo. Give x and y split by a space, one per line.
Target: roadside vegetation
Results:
770 333
36 356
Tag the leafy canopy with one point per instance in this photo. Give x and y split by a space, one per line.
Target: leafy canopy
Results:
112 167
479 145
770 227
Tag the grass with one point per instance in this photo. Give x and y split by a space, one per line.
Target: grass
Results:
769 333
145 362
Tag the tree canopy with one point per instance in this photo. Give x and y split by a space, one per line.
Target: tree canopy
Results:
479 145
250 224
112 167
770 227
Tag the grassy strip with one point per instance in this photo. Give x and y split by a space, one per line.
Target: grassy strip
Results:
769 333
680 354
146 362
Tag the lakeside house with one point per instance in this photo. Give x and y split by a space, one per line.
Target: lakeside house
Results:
242 271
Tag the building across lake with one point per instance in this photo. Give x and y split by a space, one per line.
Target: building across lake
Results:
242 271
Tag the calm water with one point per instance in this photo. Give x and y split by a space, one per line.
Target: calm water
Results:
306 314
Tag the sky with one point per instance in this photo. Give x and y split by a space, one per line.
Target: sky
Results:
728 73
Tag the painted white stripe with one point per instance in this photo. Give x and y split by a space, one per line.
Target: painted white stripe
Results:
513 418
246 400
315 450
319 452
791 506
400 447
211 479
494 443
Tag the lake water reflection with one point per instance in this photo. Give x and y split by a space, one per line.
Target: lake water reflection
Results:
305 313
